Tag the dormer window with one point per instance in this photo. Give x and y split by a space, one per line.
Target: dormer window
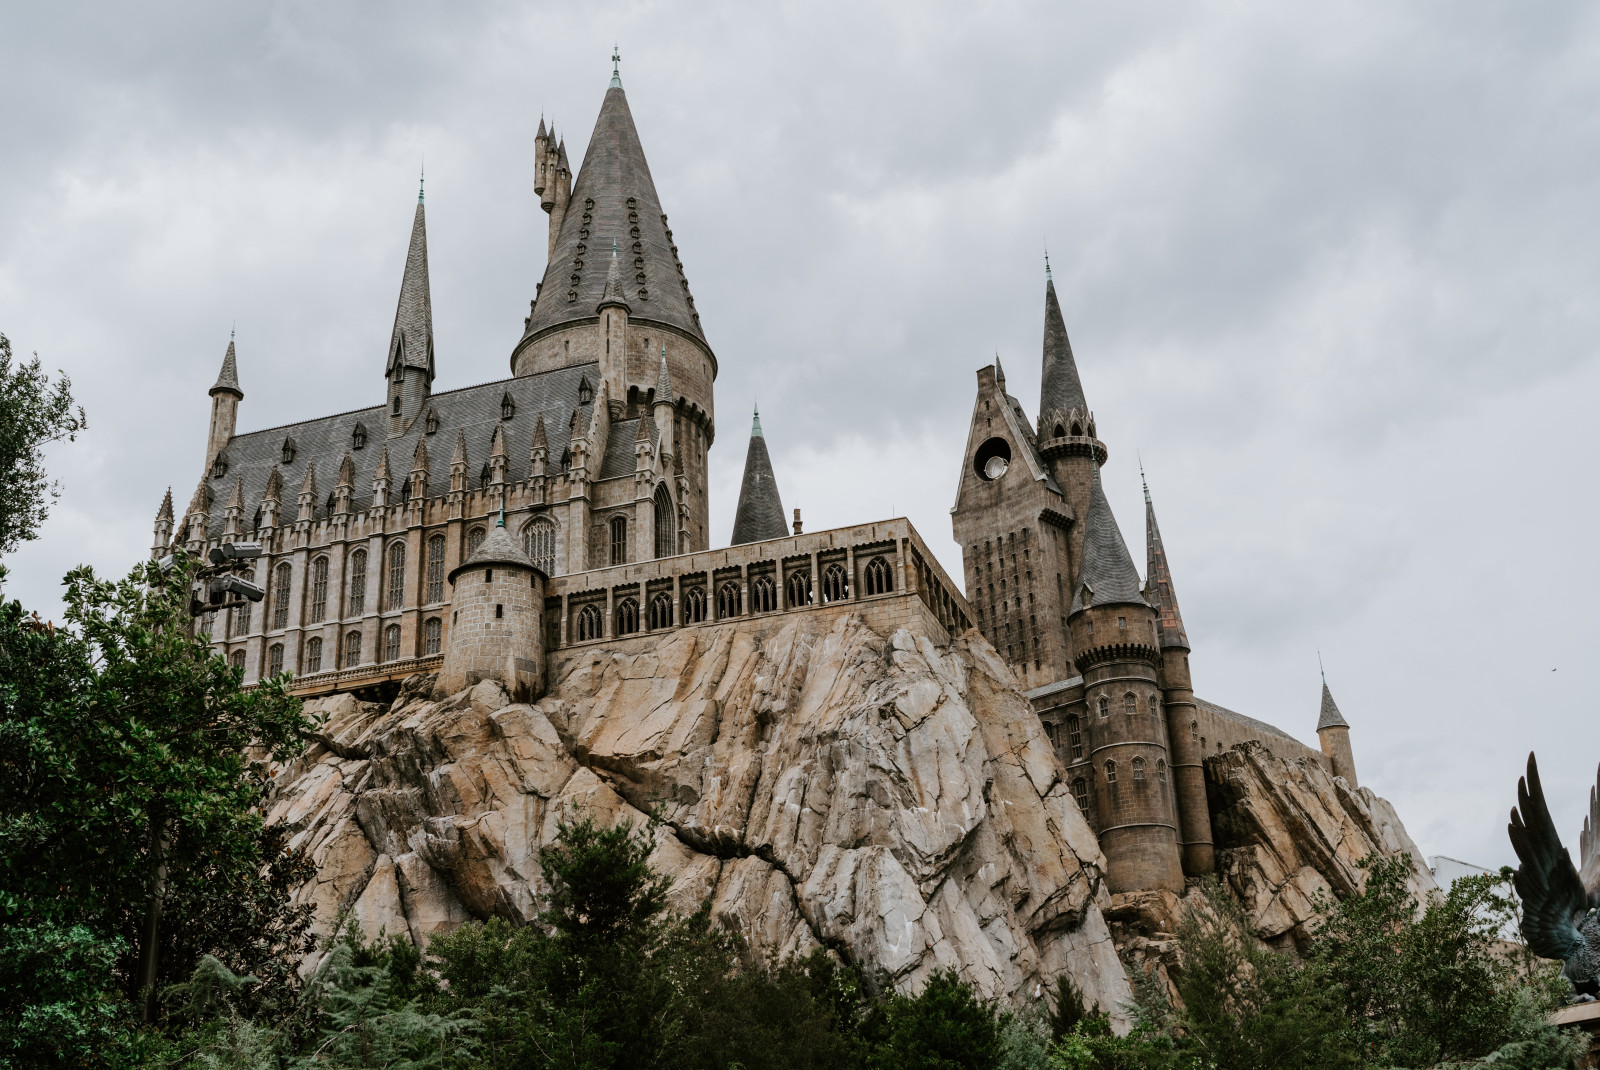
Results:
219 467
483 477
508 408
432 424
288 451
358 437
585 391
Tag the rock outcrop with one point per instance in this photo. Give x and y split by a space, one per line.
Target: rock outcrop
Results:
889 798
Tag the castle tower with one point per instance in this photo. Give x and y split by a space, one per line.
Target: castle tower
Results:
1115 644
497 620
1177 692
409 368
622 313
163 531
225 398
1333 735
760 513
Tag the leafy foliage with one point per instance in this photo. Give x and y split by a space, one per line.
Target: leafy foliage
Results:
34 412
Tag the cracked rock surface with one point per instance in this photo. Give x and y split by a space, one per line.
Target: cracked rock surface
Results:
892 799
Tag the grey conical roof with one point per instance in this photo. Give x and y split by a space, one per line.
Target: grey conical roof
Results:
411 343
228 377
1330 716
165 512
614 170
498 548
1158 581
1108 568
1060 389
760 513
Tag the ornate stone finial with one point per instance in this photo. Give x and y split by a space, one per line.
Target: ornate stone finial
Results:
616 64
1145 483
1047 276
422 179
755 424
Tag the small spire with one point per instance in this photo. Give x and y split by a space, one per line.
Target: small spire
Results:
165 512
236 500
308 485
616 67
461 449
1047 276
999 372
382 471
540 442
422 181
755 425
347 471
274 491
1145 483
228 377
1321 671
664 394
541 132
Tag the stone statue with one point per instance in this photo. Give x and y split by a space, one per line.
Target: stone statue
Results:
1559 916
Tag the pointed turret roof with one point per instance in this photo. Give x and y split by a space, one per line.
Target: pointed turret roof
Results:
1060 390
382 471
1330 717
274 491
540 440
347 471
664 382
612 194
460 455
1158 579
236 499
411 343
760 513
308 485
498 548
643 434
541 132
612 294
165 512
201 502
419 457
1108 568
228 377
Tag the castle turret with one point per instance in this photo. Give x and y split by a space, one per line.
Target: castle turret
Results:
541 167
760 513
497 620
613 311
559 192
1333 735
1115 646
409 368
162 540
225 398
1177 692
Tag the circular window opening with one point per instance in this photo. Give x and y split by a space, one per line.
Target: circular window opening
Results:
992 459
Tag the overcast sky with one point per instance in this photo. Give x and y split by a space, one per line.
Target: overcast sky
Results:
1331 269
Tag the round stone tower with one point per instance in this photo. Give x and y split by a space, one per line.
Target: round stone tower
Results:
1333 733
497 624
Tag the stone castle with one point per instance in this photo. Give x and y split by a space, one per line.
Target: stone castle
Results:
564 510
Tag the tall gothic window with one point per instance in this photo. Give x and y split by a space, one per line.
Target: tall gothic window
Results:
1111 772
391 643
799 589
661 611
474 540
728 600
835 584
694 605
1138 769
627 616
1161 770
358 586
314 655
280 596
618 526
880 579
319 590
1080 794
397 575
352 650
1155 703
666 523
432 630
763 595
436 547
1130 703
539 543
209 626
274 659
237 660
589 623
1075 736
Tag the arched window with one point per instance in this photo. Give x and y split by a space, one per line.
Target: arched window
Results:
1202 746
436 548
618 526
627 616
880 578
660 611
1111 772
589 623
799 588
475 540
1161 770
666 523
539 543
209 624
763 595
694 605
728 600
358 584
1105 706
319 590
237 660
1194 731
1075 736
391 643
397 575
1080 795
1077 428
432 629
280 596
1130 703
314 655
239 620
835 584
1138 769
1060 431
1155 703
274 659
352 650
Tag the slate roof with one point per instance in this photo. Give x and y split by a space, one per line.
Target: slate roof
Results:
760 513
614 170
1107 568
1158 582
473 411
228 377
1330 717
411 342
1060 389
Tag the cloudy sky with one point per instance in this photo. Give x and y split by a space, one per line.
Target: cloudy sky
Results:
1331 269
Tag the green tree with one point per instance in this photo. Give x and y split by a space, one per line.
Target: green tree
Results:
132 767
943 1027
34 412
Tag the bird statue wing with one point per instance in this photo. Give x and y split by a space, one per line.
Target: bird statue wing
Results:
1589 849
1553 899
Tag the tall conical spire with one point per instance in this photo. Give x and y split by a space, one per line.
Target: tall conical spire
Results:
1060 390
760 513
1158 578
411 342
228 377
1108 571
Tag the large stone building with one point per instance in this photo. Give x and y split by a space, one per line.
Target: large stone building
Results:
488 531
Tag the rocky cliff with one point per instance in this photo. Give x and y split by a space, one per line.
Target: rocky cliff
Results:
889 797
